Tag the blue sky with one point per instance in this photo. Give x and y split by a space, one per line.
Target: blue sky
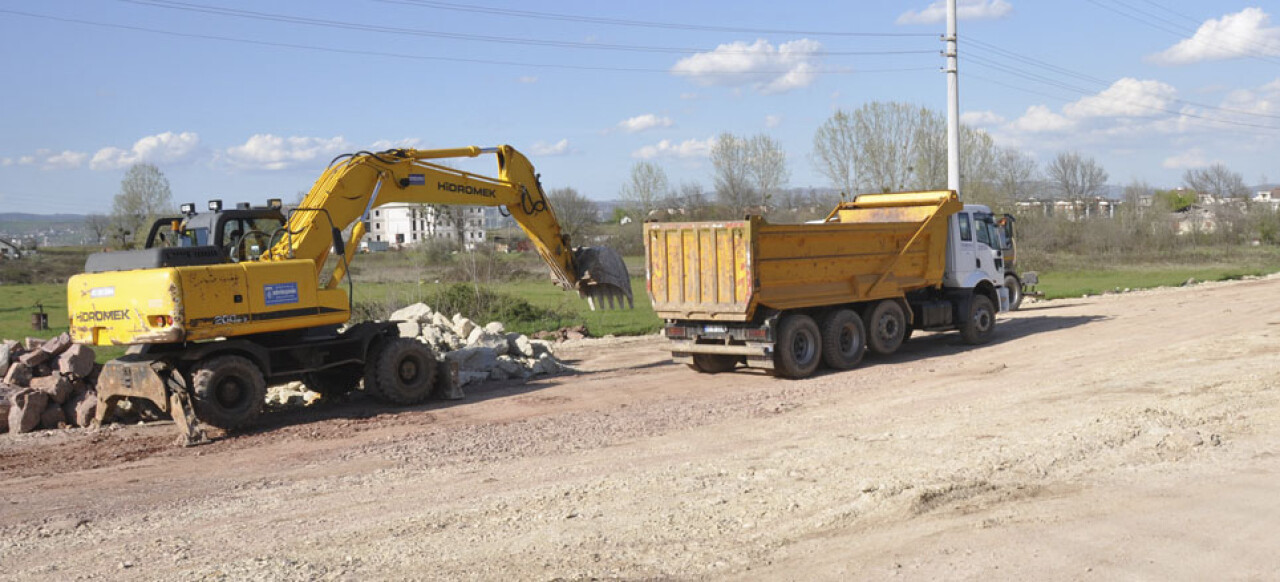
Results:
249 100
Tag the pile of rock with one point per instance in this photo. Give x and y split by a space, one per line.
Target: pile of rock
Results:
479 352
574 332
47 384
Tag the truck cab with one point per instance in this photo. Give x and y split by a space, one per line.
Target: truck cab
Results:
975 253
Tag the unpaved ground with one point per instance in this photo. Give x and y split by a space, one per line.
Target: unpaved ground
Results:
1129 436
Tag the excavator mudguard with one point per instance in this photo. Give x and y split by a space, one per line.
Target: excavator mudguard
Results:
148 378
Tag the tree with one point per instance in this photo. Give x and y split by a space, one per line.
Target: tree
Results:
577 214
887 134
1076 177
98 226
144 196
766 166
1013 171
730 158
646 189
1216 181
835 153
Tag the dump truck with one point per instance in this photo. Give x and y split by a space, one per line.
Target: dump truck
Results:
218 304
790 297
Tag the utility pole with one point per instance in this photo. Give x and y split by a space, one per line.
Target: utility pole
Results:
953 102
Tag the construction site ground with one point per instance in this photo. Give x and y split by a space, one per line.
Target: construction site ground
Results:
1129 436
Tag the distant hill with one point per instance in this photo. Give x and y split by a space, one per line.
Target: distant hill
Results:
25 217
44 229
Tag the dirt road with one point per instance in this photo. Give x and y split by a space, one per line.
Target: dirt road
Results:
1126 436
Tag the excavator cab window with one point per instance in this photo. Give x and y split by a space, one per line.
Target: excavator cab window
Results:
246 238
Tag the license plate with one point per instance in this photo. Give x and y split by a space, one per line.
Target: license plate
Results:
714 329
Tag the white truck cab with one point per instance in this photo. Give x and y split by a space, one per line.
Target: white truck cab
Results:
974 252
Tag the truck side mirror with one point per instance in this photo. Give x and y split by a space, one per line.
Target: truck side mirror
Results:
338 246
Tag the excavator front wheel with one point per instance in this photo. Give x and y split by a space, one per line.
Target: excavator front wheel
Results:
228 391
403 372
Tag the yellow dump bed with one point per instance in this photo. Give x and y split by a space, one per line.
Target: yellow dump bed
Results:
878 246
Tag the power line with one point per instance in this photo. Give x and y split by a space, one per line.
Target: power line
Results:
1003 53
1181 31
530 14
1044 80
335 24
840 71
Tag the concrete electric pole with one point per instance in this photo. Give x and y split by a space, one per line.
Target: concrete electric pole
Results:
953 102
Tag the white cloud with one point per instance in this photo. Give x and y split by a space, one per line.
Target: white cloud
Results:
690 148
981 118
528 79
265 151
542 148
772 121
760 65
1124 98
1039 118
1232 36
965 10
1264 100
688 96
1193 158
387 144
643 122
6 162
65 160
167 147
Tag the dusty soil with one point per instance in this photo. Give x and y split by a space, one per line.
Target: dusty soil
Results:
1125 436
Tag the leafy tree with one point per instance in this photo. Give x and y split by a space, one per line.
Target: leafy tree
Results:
645 190
578 215
144 196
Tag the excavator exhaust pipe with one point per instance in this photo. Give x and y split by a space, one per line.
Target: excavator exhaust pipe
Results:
603 278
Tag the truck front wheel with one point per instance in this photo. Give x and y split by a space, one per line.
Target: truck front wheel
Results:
886 327
403 372
799 347
844 340
980 323
228 391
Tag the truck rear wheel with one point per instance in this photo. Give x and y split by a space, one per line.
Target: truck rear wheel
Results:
886 327
228 391
1015 291
844 339
714 363
403 371
799 347
980 322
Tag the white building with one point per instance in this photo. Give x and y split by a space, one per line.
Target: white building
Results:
402 224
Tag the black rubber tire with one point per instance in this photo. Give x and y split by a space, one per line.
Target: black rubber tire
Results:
714 363
334 381
1015 291
403 371
886 325
980 323
228 391
798 350
844 339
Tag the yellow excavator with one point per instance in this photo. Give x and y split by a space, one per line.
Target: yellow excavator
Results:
218 303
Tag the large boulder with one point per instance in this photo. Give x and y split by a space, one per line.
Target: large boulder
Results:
463 326
26 407
512 367
9 352
481 338
80 408
77 361
56 345
33 358
19 374
441 320
495 327
57 387
409 328
518 343
477 359
418 312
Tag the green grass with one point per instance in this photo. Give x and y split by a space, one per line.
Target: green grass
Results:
1063 284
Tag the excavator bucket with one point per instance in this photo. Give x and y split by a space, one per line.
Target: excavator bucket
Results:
603 278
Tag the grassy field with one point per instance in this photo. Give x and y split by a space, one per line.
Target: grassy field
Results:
1059 285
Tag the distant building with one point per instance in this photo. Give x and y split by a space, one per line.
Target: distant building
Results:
401 224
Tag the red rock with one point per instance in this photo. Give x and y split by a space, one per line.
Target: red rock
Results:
26 410
80 409
18 375
52 418
57 387
57 345
32 343
34 358
76 361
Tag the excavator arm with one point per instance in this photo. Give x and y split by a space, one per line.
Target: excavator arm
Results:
352 186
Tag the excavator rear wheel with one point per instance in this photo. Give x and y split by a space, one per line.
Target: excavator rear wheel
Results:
228 391
403 372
